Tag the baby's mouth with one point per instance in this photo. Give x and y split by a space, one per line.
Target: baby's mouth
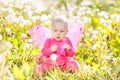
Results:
58 37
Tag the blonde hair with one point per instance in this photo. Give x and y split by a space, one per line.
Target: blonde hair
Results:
60 21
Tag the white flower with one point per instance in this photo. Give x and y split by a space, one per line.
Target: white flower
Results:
1 58
86 19
114 59
28 46
8 31
23 35
116 17
53 57
30 40
108 69
102 20
28 22
94 37
44 17
108 25
87 34
85 67
104 43
90 29
103 31
99 28
80 44
106 57
87 3
94 46
22 25
1 37
103 14
95 32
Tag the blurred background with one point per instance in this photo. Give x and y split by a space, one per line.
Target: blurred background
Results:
98 52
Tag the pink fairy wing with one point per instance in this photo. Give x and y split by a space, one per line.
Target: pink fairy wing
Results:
75 34
39 34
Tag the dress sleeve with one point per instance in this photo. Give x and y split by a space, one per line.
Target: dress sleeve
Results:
70 52
46 51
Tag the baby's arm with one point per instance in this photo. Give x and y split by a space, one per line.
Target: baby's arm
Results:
46 51
69 48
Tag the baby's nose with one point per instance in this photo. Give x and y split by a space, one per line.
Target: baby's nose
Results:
58 33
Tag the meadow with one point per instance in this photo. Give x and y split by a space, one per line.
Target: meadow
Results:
98 52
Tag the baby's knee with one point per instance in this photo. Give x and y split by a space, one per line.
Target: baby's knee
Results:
74 65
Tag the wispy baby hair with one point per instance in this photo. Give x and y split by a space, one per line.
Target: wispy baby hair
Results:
59 21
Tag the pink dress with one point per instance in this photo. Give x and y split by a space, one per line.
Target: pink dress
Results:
65 58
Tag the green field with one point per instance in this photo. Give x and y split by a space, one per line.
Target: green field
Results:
98 52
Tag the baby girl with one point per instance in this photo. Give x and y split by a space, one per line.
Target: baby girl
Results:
58 50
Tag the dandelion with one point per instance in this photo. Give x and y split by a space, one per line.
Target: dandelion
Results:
116 17
22 25
87 19
53 57
90 29
106 57
29 40
1 58
1 37
8 30
114 59
103 31
85 67
23 35
95 46
94 37
95 32
44 18
108 69
108 25
28 31
35 18
87 34
87 3
102 20
28 22
104 36
5 45
12 77
80 44
103 43
99 28
103 14
28 46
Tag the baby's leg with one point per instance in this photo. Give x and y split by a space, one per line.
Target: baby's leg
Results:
41 58
42 68
72 65
36 72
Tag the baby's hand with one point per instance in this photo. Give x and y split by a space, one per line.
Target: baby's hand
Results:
54 48
66 46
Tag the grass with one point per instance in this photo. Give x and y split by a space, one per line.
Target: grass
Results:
98 52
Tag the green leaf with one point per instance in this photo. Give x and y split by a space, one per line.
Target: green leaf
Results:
15 41
117 38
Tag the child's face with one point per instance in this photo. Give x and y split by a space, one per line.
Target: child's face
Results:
59 32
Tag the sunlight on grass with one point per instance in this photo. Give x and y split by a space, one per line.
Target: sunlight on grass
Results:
98 52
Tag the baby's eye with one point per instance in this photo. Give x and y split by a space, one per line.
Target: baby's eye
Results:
61 31
55 30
